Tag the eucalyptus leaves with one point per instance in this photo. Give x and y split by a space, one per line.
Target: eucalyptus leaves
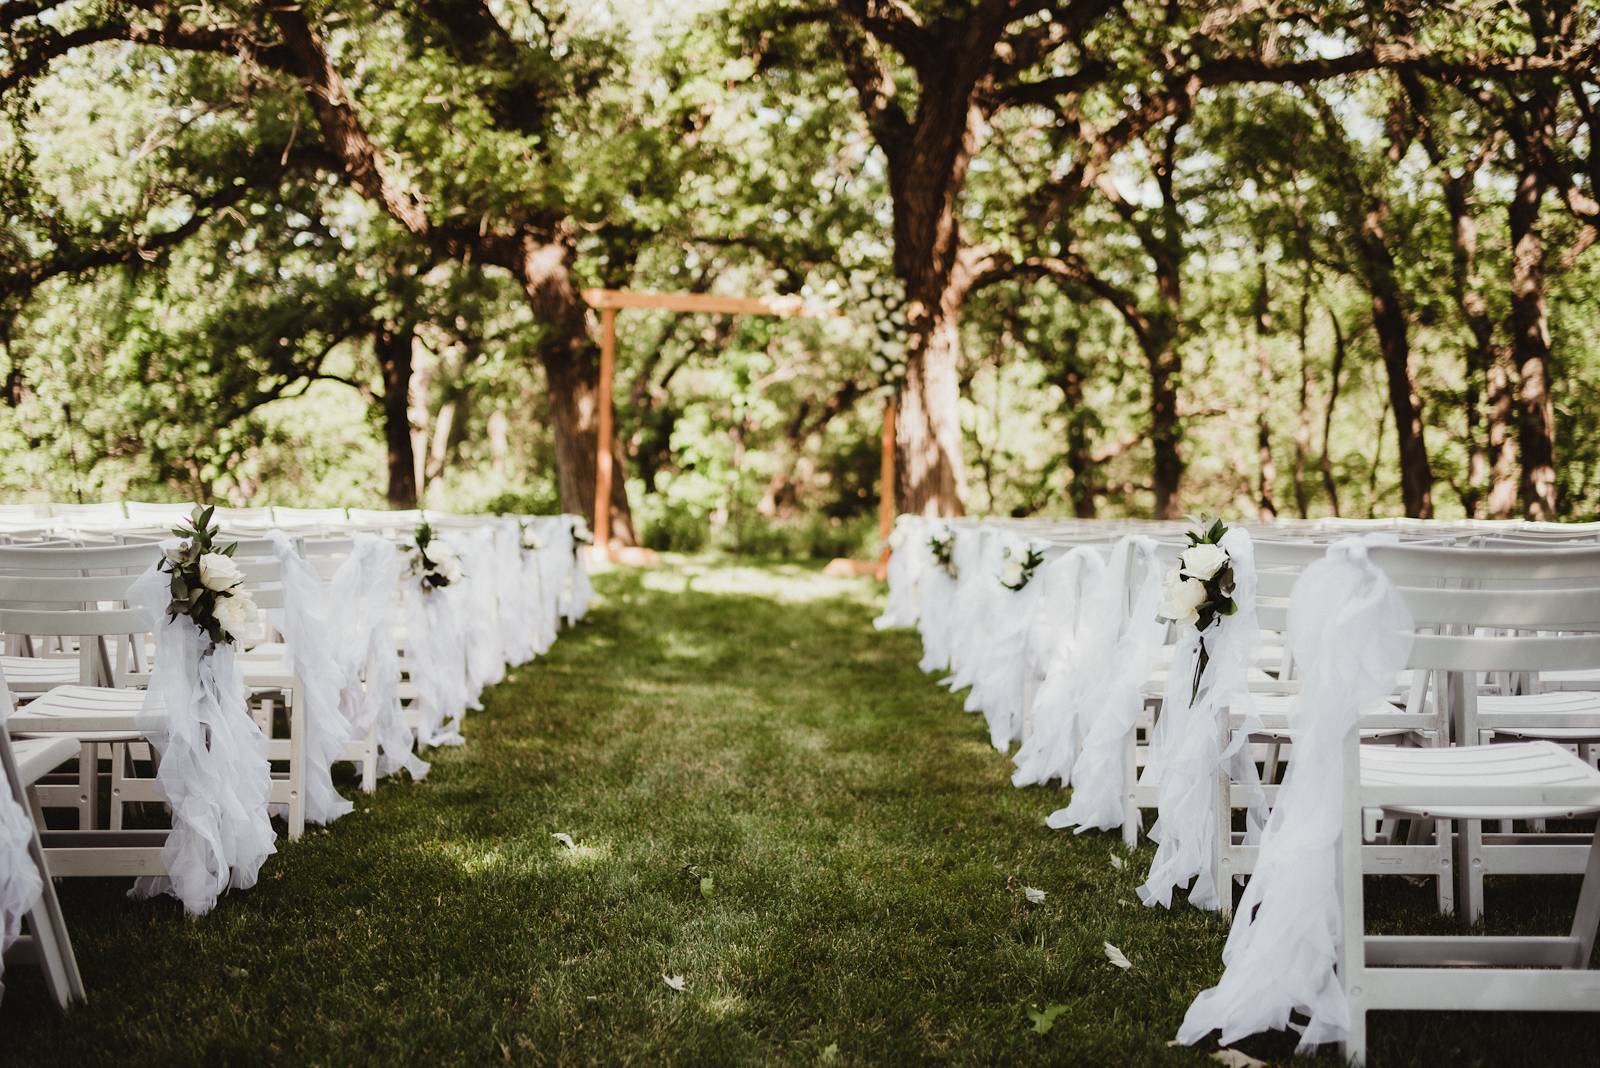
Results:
1199 591
942 544
207 585
433 562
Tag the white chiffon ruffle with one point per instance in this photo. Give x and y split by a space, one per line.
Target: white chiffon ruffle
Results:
1187 754
367 586
213 769
1350 632
904 572
1067 641
313 642
1114 687
436 656
20 884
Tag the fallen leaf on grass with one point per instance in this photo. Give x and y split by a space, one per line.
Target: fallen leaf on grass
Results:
829 1054
1236 1059
1115 956
565 839
1045 1019
1034 895
676 982
708 886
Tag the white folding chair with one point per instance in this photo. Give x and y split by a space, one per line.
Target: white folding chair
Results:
1466 785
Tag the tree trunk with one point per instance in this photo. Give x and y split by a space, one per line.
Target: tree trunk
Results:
1389 321
391 343
571 362
1079 455
1166 433
1530 339
1503 460
1335 377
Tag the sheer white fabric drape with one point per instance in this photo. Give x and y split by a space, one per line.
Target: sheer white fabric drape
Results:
1064 637
1129 593
1351 633
20 884
367 587
906 564
436 657
1188 752
213 768
314 641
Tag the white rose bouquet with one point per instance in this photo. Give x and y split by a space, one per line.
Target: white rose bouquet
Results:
942 543
207 585
581 532
434 562
1199 591
1018 566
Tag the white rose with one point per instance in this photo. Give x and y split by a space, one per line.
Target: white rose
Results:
218 572
239 616
450 570
1182 598
1202 561
1011 572
441 552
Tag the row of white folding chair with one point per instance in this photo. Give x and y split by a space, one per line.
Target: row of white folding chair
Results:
1467 784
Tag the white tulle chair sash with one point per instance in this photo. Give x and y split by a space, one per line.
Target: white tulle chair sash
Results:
314 643
213 769
20 883
1350 632
1130 595
1188 752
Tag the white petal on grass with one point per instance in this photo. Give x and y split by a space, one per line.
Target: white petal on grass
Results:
1117 862
1235 1059
676 982
1034 895
1114 955
565 839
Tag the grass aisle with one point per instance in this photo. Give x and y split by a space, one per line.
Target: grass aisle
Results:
766 798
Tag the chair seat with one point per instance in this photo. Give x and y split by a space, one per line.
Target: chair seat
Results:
1500 714
81 710
37 757
35 674
1275 713
1527 780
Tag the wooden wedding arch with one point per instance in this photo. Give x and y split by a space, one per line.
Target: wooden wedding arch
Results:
609 301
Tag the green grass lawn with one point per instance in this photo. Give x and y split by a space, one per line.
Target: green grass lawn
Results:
767 798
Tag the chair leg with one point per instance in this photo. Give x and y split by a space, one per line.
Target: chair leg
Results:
88 786
369 762
1445 846
1469 869
1130 781
297 763
1586 918
120 755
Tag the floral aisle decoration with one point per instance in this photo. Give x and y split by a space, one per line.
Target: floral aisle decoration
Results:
434 562
213 770
942 543
207 585
1199 591
1017 565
